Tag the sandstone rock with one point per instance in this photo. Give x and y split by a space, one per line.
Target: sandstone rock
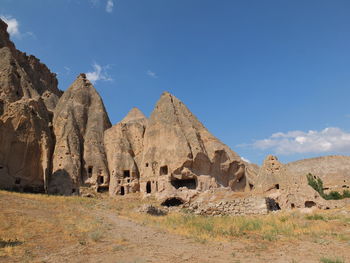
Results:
287 183
28 94
23 76
271 175
79 157
124 145
26 146
333 170
179 152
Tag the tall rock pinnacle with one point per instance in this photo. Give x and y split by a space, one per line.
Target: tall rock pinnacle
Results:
80 120
180 152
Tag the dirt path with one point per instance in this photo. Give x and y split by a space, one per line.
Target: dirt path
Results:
131 242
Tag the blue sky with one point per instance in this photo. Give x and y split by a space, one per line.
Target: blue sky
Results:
264 76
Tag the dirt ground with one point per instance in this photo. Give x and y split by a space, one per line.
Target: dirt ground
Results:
34 228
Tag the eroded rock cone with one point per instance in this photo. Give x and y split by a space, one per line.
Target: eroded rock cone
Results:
179 152
28 94
124 145
80 120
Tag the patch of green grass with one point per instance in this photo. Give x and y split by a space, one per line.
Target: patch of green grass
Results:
316 217
329 260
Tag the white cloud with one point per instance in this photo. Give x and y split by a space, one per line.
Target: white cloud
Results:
109 6
245 160
99 73
94 2
330 139
152 74
67 69
13 25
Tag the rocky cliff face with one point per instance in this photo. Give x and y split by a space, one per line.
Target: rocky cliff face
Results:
28 94
23 76
79 122
180 153
124 146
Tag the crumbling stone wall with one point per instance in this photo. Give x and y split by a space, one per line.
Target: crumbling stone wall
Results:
253 205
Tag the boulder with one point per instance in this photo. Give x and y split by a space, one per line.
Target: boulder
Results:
79 122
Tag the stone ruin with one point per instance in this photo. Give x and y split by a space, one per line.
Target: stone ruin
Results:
62 142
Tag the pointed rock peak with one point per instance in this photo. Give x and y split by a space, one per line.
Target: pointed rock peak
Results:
167 97
4 36
134 115
3 26
82 81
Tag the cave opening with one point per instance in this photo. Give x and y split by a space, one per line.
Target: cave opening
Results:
163 170
188 183
148 187
174 201
126 173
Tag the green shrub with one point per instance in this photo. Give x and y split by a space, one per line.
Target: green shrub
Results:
333 196
316 183
346 194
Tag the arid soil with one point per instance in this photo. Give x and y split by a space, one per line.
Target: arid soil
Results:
39 228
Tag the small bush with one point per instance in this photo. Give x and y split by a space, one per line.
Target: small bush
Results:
333 196
346 194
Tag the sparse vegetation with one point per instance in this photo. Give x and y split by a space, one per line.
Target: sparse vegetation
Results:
316 183
283 226
328 260
29 223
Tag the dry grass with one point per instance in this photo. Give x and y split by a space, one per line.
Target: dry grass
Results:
32 226
32 222
283 226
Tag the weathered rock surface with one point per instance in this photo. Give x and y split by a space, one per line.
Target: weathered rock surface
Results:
333 170
23 76
179 152
80 120
28 94
287 183
124 145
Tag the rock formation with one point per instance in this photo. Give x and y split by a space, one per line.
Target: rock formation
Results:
60 143
179 153
333 170
288 185
124 145
79 122
28 94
